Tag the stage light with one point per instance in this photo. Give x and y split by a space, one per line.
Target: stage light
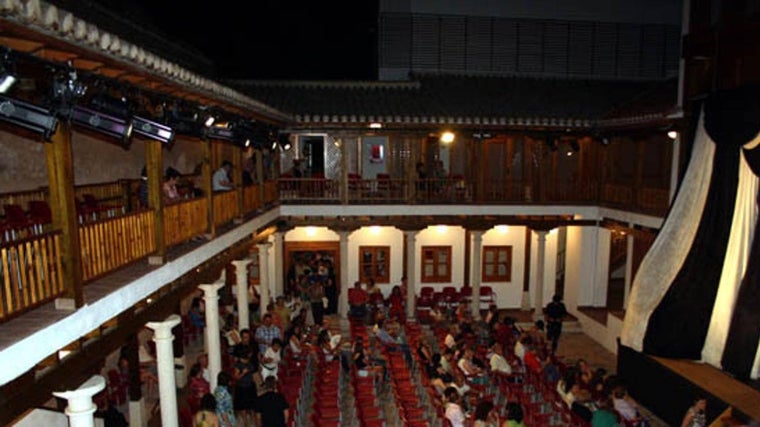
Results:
209 121
672 134
6 81
101 122
447 137
223 132
375 125
7 76
28 116
247 142
67 90
151 129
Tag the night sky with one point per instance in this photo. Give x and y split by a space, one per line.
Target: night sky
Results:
269 39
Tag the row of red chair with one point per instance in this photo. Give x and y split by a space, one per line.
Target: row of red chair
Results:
449 297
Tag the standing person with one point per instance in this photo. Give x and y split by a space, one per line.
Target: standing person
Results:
224 408
245 389
266 333
221 180
555 313
316 293
695 415
272 410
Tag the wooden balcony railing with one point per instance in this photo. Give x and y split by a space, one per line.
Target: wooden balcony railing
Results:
30 273
112 243
226 207
251 198
308 190
271 194
185 220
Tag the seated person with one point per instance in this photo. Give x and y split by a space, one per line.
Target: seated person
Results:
626 406
365 365
497 361
357 301
471 371
270 361
392 343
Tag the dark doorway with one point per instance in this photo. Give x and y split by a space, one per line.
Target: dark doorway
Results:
313 151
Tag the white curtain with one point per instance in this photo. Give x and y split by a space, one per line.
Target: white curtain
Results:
666 256
735 264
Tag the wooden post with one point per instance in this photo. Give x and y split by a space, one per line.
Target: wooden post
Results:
237 179
153 164
344 175
206 184
260 179
60 166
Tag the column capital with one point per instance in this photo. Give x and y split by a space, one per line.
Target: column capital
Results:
80 400
477 234
541 233
163 329
264 246
211 289
242 263
344 233
411 233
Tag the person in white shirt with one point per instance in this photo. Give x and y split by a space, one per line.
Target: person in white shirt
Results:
454 412
497 361
221 179
271 360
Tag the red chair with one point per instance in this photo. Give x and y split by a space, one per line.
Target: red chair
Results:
466 294
427 291
40 215
487 295
17 221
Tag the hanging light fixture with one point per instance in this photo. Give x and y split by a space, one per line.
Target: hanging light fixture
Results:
28 116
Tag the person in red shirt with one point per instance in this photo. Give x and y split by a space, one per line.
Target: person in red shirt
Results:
357 301
532 362
395 304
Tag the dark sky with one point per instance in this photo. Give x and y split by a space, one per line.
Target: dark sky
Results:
270 39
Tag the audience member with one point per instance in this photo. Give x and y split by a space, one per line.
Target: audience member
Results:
225 410
555 314
453 410
272 409
514 415
221 180
604 416
270 361
206 415
266 333
245 389
695 415
484 414
169 187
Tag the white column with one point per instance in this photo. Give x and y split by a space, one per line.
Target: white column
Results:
167 391
411 276
263 276
211 298
538 292
476 271
137 415
277 254
628 269
241 286
344 285
80 409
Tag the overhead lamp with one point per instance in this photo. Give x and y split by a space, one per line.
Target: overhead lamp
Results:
447 137
151 129
223 132
284 141
247 142
375 125
101 122
209 121
672 134
7 76
28 116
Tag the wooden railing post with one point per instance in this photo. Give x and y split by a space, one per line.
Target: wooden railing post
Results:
60 166
206 184
344 174
237 168
153 163
260 179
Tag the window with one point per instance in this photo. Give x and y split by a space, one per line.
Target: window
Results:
374 262
497 264
436 264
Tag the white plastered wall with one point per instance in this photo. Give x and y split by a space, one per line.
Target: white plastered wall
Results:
586 267
508 294
440 235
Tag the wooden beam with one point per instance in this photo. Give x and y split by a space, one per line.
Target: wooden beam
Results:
21 45
154 166
60 166
55 55
86 64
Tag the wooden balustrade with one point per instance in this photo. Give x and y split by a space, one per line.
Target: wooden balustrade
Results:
654 200
225 207
112 243
617 195
103 192
309 190
30 273
499 191
22 198
270 192
185 220
251 198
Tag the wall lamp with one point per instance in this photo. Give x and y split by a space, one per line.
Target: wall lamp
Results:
28 116
151 129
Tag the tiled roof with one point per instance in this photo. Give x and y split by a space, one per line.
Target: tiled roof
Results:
466 100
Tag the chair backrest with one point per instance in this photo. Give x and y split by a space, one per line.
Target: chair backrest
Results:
14 213
90 200
427 291
40 210
449 290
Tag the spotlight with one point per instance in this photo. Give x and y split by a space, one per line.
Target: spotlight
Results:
447 137
101 122
284 140
375 125
28 116
672 134
209 121
247 142
67 90
220 132
152 130
7 76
